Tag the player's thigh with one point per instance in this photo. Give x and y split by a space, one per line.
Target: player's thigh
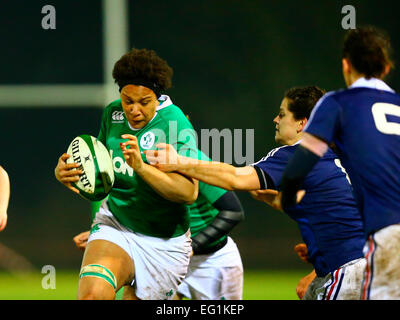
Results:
214 283
382 274
110 258
232 283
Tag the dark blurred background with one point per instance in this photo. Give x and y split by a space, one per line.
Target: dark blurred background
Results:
232 62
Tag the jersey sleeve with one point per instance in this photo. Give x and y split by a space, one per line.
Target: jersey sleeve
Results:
185 143
211 193
324 118
270 168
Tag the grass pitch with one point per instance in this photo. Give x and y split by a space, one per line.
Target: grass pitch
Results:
258 285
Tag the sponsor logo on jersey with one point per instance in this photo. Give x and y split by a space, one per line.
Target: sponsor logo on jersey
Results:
117 117
147 140
120 166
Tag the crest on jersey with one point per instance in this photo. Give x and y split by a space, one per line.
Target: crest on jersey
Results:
147 140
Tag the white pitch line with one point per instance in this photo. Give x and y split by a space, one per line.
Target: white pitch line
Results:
87 95
115 44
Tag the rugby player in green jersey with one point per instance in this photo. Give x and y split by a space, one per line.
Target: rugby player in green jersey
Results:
215 269
140 236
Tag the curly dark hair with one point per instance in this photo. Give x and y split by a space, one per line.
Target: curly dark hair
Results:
143 64
302 100
368 49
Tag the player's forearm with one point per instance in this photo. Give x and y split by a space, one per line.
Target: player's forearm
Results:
218 174
4 190
171 186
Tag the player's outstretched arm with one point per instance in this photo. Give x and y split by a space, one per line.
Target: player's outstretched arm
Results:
67 173
218 174
4 197
171 186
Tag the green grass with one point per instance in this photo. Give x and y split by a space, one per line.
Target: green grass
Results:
271 285
258 285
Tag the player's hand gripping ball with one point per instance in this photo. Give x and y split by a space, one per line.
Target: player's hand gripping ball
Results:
97 179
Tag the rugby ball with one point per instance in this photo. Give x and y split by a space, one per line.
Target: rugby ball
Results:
98 175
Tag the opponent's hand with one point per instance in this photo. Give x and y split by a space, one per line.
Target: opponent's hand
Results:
131 152
268 195
304 283
67 173
302 251
274 198
277 201
3 220
165 158
81 240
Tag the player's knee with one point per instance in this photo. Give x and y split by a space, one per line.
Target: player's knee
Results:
96 283
95 290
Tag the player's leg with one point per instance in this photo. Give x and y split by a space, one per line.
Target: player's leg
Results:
216 276
347 281
343 283
160 265
106 267
382 273
129 293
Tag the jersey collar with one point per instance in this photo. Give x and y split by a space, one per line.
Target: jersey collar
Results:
372 83
165 101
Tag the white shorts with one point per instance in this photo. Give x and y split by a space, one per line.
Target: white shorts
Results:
342 284
215 276
382 273
160 264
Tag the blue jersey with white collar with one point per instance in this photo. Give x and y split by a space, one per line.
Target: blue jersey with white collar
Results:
364 124
327 216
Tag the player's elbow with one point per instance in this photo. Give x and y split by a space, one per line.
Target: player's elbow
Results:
186 195
191 195
243 179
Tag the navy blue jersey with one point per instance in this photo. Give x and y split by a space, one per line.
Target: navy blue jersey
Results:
364 124
329 221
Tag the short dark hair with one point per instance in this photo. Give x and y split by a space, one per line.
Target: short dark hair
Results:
302 100
143 64
368 49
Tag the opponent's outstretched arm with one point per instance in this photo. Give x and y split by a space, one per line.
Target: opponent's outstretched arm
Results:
218 174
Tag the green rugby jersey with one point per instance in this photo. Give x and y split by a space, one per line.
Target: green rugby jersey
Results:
132 201
202 212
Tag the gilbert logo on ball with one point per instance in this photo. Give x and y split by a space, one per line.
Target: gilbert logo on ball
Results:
98 175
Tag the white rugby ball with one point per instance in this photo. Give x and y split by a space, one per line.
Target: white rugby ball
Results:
98 175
